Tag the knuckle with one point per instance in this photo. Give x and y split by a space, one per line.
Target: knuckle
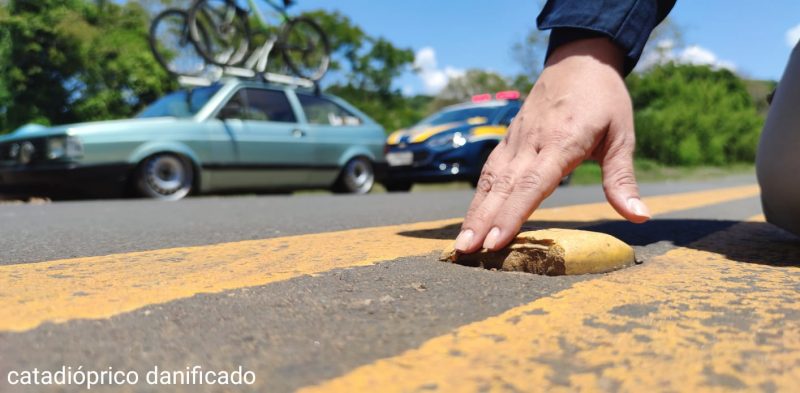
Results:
484 185
622 145
530 182
503 185
621 178
486 180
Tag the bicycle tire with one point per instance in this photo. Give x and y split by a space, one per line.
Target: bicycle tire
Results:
184 59
217 50
318 70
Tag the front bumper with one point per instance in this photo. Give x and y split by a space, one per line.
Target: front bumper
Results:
60 178
432 166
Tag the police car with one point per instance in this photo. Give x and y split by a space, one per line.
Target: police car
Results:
450 145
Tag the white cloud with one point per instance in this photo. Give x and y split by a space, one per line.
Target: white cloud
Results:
666 52
697 55
793 36
425 58
434 79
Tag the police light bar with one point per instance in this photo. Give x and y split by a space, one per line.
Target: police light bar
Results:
507 95
481 98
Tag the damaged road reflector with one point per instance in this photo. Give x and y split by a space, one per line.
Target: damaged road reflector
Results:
552 252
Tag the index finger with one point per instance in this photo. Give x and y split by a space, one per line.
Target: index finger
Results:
538 181
479 219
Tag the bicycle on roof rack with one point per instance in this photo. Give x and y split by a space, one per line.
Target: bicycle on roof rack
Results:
214 37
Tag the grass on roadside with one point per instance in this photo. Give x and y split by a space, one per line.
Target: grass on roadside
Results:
650 172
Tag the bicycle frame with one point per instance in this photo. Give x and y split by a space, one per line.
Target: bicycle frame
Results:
253 7
259 58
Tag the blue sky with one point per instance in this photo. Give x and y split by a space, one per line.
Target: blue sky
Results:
452 35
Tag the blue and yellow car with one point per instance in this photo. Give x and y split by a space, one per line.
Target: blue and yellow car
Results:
450 145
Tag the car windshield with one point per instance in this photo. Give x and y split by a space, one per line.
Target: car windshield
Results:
182 103
459 115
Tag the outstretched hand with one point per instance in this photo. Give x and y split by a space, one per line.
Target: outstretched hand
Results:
578 109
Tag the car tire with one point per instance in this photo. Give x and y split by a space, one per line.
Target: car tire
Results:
398 186
166 177
357 177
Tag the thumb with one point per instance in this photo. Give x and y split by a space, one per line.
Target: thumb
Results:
619 181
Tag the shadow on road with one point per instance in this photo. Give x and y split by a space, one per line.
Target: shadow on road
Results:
750 242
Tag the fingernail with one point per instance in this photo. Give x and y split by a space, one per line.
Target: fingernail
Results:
464 240
638 207
491 238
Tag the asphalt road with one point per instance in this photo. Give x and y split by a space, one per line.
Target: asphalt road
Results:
32 233
337 322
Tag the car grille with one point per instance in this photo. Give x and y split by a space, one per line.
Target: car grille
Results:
5 152
40 144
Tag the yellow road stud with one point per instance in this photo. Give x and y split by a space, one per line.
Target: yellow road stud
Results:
552 252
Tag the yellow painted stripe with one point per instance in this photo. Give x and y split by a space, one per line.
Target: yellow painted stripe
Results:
715 316
100 287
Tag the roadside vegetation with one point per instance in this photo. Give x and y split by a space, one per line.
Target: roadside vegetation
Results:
64 61
651 172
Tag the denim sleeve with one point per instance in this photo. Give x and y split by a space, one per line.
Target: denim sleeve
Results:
628 23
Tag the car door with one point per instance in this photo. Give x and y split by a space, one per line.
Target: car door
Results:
333 129
272 149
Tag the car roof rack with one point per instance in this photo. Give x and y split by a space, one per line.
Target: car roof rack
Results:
244 73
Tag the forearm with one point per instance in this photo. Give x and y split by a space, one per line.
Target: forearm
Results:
627 23
600 49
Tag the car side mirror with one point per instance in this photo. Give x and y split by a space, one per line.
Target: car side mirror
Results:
233 110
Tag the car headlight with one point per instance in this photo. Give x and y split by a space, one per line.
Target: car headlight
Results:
64 147
454 140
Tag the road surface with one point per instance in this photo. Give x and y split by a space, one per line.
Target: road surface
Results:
343 293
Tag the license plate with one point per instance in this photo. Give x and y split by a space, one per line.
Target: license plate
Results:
400 158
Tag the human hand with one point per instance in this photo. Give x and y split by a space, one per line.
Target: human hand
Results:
578 109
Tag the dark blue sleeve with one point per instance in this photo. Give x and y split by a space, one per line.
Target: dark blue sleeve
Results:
628 23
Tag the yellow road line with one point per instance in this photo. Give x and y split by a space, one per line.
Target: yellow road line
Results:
694 319
100 287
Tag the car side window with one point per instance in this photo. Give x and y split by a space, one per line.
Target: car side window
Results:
322 111
235 108
269 105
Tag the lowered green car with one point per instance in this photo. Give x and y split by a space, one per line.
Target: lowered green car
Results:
231 135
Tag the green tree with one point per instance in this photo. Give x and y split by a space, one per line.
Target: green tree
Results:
5 48
364 68
119 75
473 82
691 115
529 54
77 60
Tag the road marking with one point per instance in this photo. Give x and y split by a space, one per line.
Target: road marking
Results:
101 287
694 319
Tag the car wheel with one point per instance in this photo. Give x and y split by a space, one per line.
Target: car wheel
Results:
401 186
166 177
357 177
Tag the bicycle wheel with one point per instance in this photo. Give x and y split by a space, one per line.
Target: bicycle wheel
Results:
228 31
305 48
172 46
